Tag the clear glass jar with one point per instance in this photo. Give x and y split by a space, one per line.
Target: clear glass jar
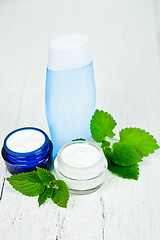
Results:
82 166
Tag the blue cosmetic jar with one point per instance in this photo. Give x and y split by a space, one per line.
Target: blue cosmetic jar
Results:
27 148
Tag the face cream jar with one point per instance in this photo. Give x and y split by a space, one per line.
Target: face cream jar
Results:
25 149
82 166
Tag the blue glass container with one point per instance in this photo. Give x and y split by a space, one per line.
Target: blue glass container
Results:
70 90
25 149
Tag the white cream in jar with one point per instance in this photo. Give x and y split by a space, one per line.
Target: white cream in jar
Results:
81 165
25 141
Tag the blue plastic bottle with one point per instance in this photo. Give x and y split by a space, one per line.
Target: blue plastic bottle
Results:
70 90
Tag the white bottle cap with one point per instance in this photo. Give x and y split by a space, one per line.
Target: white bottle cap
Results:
69 52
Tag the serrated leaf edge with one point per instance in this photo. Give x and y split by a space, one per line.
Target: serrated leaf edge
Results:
141 130
136 179
8 179
92 119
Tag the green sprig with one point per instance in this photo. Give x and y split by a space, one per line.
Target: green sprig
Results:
41 183
124 155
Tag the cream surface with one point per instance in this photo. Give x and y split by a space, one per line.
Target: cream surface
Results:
80 155
25 141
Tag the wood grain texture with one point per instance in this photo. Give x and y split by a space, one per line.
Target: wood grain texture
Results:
125 45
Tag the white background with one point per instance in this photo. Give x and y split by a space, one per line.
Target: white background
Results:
125 43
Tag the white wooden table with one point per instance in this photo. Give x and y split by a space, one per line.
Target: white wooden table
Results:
125 42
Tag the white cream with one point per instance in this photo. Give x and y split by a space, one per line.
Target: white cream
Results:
81 165
26 140
81 155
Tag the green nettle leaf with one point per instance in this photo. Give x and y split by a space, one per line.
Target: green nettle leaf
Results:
27 183
130 172
124 155
60 194
46 177
102 125
78 139
46 194
42 183
107 152
105 144
142 141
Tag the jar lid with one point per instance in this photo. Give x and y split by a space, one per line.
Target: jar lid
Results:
69 52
